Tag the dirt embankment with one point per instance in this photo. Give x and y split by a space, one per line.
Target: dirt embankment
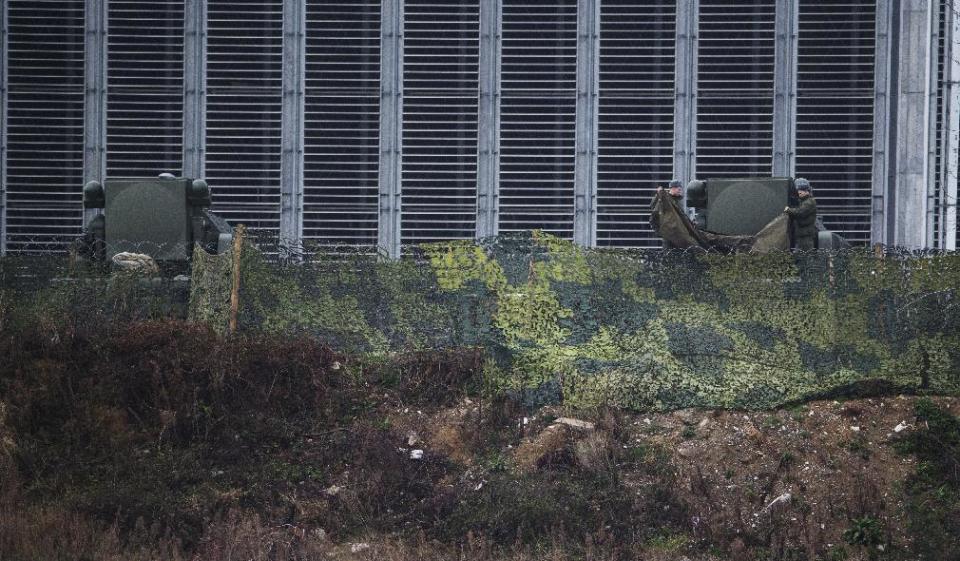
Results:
165 441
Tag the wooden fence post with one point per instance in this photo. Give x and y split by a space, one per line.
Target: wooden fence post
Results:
235 288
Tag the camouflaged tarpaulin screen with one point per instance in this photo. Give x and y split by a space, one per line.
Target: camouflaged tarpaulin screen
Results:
640 329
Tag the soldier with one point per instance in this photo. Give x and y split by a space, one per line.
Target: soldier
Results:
804 217
676 192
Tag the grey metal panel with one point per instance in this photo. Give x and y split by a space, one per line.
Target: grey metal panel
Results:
538 107
488 141
735 88
144 87
244 92
835 111
342 123
785 88
638 63
95 95
441 44
881 164
4 26
391 127
685 110
588 108
194 87
952 135
291 123
912 169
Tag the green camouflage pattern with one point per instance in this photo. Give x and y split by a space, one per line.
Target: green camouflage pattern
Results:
635 329
642 330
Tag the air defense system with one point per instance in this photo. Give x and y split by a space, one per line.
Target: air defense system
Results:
163 217
744 206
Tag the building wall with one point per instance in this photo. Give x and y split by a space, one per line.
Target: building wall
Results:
789 85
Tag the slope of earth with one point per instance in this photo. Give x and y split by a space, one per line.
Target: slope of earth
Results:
166 441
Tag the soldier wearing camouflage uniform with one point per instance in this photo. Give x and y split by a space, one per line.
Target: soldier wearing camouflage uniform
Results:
804 217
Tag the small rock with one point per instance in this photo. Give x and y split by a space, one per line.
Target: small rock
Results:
685 415
137 262
416 454
855 429
850 410
900 427
753 434
575 423
412 439
358 547
336 365
332 490
687 450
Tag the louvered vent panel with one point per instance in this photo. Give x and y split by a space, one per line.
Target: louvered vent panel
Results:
939 170
45 134
835 111
342 122
636 117
244 66
440 61
538 114
735 88
145 88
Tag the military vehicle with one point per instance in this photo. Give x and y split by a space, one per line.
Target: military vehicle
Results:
744 206
162 217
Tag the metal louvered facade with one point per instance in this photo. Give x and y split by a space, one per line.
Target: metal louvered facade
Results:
538 101
44 123
735 85
341 144
637 58
380 124
144 88
244 56
835 106
440 111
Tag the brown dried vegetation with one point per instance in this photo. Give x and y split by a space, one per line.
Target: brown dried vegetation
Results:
162 440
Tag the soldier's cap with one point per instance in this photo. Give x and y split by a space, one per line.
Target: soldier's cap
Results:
802 185
676 184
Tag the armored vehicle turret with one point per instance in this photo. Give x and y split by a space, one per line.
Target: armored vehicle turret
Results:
161 217
744 206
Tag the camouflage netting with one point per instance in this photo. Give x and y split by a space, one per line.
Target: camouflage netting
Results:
637 329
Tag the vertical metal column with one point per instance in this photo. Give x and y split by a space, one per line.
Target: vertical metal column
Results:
391 127
685 104
785 89
588 115
952 131
94 95
488 141
912 216
4 32
194 88
884 125
291 123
